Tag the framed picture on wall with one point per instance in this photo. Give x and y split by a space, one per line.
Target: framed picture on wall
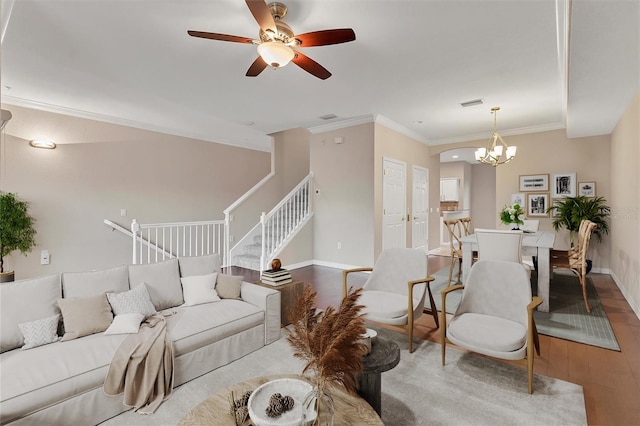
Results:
518 199
537 204
563 185
587 189
534 183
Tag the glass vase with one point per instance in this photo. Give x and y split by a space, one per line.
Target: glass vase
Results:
317 408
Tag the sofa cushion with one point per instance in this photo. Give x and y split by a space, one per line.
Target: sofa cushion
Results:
40 332
84 316
200 325
199 265
136 300
162 280
84 284
125 324
23 301
198 289
53 373
228 286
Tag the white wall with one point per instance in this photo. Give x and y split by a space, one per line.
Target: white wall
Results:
72 189
625 203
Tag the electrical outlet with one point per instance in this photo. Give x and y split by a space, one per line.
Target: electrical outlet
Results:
339 245
123 212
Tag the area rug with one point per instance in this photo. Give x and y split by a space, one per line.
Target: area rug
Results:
468 390
567 319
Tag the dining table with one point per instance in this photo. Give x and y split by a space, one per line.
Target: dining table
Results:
538 243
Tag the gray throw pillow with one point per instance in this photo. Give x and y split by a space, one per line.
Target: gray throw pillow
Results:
228 286
40 332
85 316
134 301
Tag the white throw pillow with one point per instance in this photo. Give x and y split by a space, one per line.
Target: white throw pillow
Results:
40 332
198 289
134 301
125 324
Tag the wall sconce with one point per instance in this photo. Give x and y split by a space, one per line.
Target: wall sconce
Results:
44 144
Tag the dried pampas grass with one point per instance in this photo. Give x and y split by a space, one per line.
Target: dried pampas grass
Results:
328 341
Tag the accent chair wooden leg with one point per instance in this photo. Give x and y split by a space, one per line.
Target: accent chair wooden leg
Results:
530 368
410 333
583 283
536 339
434 310
443 335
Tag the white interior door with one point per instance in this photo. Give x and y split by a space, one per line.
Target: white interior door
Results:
420 208
394 202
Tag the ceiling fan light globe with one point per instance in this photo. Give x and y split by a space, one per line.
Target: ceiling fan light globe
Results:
275 53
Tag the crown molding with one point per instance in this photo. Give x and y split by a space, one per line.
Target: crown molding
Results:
341 124
384 121
78 113
510 132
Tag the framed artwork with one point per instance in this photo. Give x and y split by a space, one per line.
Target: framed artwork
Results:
518 199
587 189
563 185
537 204
534 183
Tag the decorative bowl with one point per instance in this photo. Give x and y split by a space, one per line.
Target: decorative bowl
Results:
259 401
367 338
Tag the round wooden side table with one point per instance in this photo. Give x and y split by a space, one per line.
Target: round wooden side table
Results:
384 355
215 410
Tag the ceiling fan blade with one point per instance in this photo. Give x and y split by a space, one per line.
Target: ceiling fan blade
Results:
256 67
326 37
221 37
262 14
311 66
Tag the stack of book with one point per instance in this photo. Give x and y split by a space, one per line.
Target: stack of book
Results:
276 278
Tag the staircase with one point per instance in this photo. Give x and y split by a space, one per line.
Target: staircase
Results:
276 228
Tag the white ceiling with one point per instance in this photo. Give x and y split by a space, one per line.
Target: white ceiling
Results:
413 62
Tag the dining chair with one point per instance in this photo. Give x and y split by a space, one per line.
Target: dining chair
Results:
455 244
531 225
495 244
575 259
466 226
395 292
500 327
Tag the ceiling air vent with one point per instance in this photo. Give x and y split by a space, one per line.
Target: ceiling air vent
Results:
328 117
471 103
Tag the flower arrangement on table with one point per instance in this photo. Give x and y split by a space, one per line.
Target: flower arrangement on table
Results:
513 214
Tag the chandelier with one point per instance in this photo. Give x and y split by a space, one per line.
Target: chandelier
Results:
497 152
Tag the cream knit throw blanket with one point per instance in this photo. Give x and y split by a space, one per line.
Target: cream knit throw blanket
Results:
142 367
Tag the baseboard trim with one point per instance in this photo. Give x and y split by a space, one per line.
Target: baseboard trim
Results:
625 294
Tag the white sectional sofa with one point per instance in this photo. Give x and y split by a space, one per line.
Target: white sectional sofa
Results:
61 383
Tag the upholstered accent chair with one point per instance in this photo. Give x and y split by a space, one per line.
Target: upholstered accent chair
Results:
495 314
494 244
395 292
575 259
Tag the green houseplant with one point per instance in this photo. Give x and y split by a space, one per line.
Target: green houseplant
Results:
570 211
17 230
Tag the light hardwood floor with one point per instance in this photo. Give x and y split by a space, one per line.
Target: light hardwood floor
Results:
611 379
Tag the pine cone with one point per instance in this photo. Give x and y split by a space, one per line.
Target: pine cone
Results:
287 403
275 397
245 397
274 409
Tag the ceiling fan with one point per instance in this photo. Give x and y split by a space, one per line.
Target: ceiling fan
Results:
277 43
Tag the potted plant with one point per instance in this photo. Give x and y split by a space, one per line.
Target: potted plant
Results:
570 211
16 229
513 214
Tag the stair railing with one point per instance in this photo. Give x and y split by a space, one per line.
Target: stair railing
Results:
168 240
280 224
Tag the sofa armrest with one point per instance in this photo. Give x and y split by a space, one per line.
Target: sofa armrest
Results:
269 301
